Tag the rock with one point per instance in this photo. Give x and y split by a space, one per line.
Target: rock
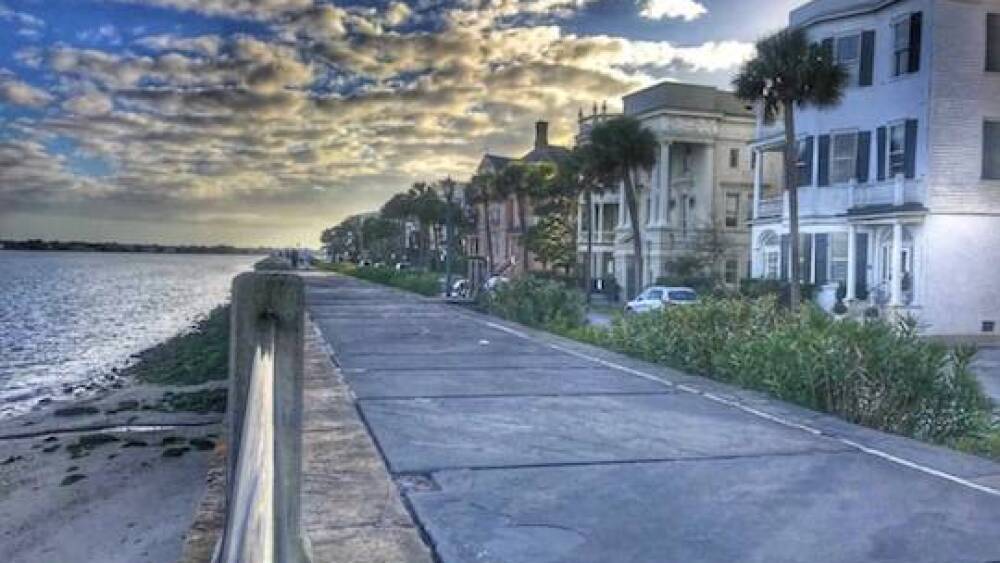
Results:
70 479
175 452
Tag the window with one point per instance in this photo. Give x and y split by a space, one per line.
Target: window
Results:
838 257
844 158
772 263
804 163
734 158
732 210
993 42
682 295
901 47
991 150
896 153
848 52
732 271
653 295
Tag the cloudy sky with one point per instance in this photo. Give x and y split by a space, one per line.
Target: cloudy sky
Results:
264 121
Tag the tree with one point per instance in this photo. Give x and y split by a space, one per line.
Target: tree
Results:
399 208
482 188
789 71
581 175
428 210
620 148
525 181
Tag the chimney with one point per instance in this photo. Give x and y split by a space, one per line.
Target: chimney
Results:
541 134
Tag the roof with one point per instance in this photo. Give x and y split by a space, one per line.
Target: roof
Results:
548 153
685 97
496 162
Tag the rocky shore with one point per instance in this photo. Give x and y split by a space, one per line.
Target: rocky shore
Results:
117 477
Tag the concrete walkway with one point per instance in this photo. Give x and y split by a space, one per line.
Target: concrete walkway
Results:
512 446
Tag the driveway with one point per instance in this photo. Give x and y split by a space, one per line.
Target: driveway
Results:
514 446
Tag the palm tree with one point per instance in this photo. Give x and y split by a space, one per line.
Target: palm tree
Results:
525 181
585 178
483 187
789 71
621 147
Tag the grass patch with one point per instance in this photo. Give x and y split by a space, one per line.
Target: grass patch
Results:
192 358
424 283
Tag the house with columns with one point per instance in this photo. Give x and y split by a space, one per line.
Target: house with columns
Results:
694 203
899 185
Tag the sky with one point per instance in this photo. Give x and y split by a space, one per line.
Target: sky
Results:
262 122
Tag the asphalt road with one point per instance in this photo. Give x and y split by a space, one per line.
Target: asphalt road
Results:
512 446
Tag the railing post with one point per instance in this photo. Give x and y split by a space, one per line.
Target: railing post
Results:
266 306
899 185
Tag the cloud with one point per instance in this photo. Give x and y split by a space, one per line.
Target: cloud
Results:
354 101
22 18
18 93
688 10
89 104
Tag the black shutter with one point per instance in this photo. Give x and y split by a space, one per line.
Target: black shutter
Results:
822 244
824 160
806 172
910 161
916 21
805 258
993 42
867 70
864 156
880 138
785 256
861 266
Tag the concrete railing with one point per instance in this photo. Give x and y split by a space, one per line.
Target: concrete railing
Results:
264 420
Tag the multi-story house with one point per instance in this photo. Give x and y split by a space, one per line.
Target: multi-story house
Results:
899 185
694 203
506 231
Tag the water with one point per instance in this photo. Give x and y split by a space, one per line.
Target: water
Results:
67 319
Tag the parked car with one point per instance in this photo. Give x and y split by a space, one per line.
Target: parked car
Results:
495 282
400 266
657 297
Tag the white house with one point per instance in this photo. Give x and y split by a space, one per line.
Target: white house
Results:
900 184
696 200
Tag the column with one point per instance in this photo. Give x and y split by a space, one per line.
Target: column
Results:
622 213
598 223
852 267
666 152
896 298
758 181
580 236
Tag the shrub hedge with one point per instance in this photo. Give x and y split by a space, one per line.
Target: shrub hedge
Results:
424 283
875 374
538 302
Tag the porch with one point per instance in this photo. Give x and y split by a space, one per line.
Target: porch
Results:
877 260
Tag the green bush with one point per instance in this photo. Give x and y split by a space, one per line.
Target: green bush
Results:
538 302
781 290
424 283
875 374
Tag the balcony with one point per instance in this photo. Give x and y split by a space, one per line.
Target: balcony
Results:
880 197
600 237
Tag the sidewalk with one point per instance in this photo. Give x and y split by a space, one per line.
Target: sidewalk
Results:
514 446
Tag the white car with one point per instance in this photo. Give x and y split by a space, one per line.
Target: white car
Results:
657 297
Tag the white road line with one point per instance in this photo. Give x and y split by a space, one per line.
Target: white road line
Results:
761 414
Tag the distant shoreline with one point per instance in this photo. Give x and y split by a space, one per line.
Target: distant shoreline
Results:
118 247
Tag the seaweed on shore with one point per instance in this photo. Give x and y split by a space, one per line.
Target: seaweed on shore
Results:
88 442
201 402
